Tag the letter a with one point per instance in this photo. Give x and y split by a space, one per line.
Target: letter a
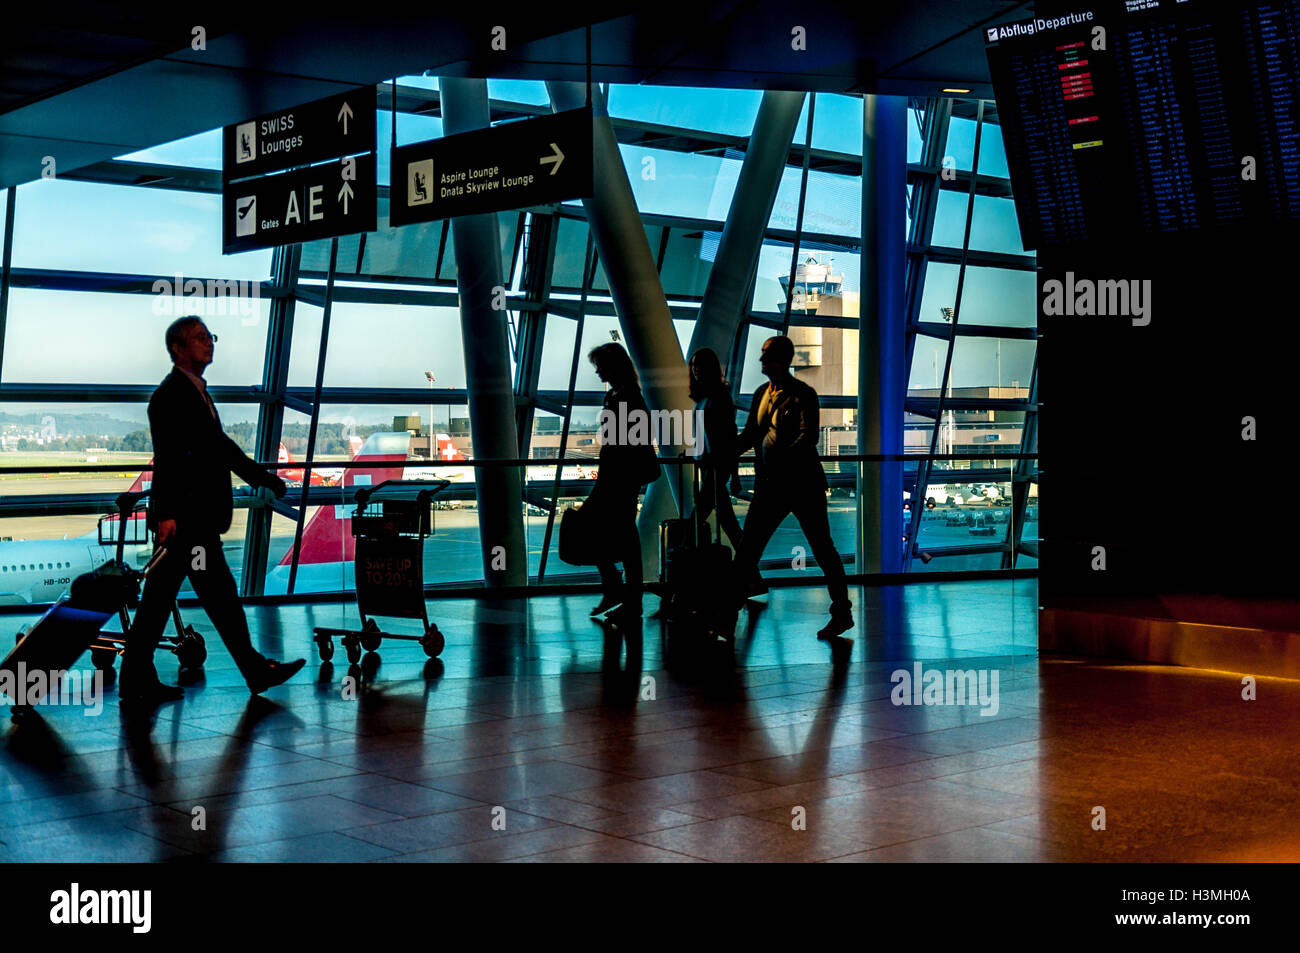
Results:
1053 293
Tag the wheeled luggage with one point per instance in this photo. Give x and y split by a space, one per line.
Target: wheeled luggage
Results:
696 574
49 648
36 665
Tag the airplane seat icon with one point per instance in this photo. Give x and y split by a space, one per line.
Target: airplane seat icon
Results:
421 190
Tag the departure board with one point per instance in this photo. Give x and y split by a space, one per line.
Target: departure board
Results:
1149 117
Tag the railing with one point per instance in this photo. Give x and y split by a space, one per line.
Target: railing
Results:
970 519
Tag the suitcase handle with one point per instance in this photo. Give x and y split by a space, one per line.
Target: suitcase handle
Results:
154 561
695 498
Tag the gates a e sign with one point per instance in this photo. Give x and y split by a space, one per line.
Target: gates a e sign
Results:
320 201
300 174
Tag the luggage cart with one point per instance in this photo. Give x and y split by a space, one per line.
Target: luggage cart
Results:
391 522
187 645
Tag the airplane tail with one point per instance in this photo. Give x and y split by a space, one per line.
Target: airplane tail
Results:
448 450
327 537
291 474
139 485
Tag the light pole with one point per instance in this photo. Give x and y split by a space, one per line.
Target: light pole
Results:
428 375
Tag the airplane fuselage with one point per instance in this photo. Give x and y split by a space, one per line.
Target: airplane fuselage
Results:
41 570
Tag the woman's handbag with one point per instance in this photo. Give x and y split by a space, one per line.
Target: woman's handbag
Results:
647 465
580 537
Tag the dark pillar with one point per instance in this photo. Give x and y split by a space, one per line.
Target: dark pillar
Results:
638 296
486 347
882 363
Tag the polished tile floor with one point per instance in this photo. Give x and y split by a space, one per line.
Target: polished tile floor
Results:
542 736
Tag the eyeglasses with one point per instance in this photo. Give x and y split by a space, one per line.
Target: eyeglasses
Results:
202 336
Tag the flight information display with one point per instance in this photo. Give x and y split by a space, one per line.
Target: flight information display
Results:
1150 116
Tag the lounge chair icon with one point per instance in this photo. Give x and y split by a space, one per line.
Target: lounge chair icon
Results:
421 188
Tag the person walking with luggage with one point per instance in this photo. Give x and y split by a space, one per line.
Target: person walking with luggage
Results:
190 506
782 430
627 462
717 461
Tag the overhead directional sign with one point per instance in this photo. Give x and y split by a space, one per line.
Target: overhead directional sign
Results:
514 165
320 201
312 132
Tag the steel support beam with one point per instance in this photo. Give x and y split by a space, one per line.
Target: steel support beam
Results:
486 344
731 277
6 269
882 379
270 416
638 294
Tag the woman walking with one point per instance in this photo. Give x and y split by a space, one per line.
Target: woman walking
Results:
713 405
627 462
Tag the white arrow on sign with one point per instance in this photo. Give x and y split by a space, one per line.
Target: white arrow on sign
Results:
557 159
345 194
345 113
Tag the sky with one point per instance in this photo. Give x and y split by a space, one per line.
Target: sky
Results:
90 337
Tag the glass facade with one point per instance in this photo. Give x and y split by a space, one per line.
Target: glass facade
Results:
98 270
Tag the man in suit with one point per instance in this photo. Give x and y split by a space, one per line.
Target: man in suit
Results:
782 430
190 506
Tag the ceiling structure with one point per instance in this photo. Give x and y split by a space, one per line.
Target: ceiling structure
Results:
89 81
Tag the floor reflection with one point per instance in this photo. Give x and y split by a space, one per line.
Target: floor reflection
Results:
650 741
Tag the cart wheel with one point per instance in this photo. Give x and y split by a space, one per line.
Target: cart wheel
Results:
103 659
353 647
370 642
192 651
325 646
433 643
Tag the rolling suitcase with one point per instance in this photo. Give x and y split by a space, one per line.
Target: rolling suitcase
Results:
51 646
696 574
60 637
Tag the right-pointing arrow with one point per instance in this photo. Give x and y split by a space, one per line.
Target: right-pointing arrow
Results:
556 159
